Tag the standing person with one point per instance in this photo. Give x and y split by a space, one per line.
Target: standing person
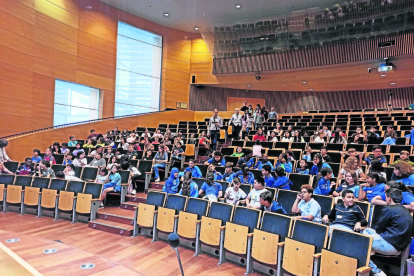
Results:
244 108
214 126
248 121
392 233
272 114
265 113
258 117
3 155
236 123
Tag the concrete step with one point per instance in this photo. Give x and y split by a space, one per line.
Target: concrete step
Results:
112 227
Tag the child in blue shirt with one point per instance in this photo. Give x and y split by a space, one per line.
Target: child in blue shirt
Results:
282 182
303 167
217 159
114 184
172 183
72 142
268 177
324 184
318 165
372 188
246 177
269 205
284 163
212 190
195 171
264 161
189 187
68 159
351 183
36 158
408 197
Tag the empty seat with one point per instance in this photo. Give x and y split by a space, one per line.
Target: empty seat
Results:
167 216
50 196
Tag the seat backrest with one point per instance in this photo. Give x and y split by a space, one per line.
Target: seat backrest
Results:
93 189
221 211
298 180
78 171
11 166
326 203
23 180
282 145
227 151
376 213
58 184
335 147
335 157
7 179
311 233
199 181
286 198
247 217
345 243
176 202
124 176
197 206
144 166
335 168
41 182
58 168
277 224
89 173
246 188
224 185
156 198
75 186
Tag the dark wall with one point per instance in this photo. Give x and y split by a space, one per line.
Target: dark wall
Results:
208 98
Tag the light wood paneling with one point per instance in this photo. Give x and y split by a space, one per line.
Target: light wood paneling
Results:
44 82
54 41
177 86
15 58
53 55
15 24
96 43
19 10
95 68
15 74
173 54
176 65
176 76
44 67
15 41
56 27
97 30
201 57
56 12
15 90
96 55
68 5
95 81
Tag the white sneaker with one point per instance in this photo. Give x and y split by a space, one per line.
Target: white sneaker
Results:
380 274
133 192
101 205
157 180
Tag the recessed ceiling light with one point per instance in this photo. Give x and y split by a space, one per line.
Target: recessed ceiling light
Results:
89 7
383 75
238 6
311 89
196 28
166 14
304 82
393 83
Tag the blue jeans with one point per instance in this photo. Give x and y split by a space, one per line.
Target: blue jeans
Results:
215 135
156 166
379 245
247 129
340 227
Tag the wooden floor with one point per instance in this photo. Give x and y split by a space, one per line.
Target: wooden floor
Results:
112 254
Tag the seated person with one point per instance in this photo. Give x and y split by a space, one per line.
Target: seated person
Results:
102 176
308 207
257 149
376 167
324 185
113 185
217 159
247 159
253 199
78 149
269 205
217 175
320 137
68 159
192 140
204 141
36 158
44 170
390 137
303 167
134 173
370 138
64 149
268 177
346 215
49 157
374 186
195 171
324 153
212 190
403 172
148 155
262 162
351 183
72 141
172 183
88 144
392 233
80 160
376 156
282 181
351 164
337 138
98 149
159 162
407 200
259 135
131 153
284 163
188 186
177 153
98 161
25 169
246 177
307 154
239 152
228 171
234 194
318 164
290 156
404 156
109 153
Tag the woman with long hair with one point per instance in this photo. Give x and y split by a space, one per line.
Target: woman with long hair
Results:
318 164
188 186
351 164
390 138
338 139
350 183
404 172
297 137
3 155
212 190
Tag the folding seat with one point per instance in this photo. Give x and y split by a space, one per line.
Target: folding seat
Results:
246 188
282 145
336 157
342 258
89 173
304 247
189 222
357 147
274 153
316 146
336 167
297 145
67 198
232 159
298 180
87 202
239 236
273 231
145 168
227 151
15 192
364 205
50 196
11 166
224 185
287 198
32 194
326 203
167 219
399 148
190 151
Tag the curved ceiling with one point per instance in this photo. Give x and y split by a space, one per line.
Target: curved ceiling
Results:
186 14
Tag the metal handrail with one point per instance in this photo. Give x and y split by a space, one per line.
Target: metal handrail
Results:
79 123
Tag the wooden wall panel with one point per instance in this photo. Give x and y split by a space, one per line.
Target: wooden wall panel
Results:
45 40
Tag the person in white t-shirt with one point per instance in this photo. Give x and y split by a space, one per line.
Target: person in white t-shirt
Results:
253 199
234 194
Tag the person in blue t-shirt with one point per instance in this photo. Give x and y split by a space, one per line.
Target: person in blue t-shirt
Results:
217 159
36 158
247 159
408 197
412 137
351 183
269 205
172 183
303 167
403 171
228 171
211 189
284 163
318 164
217 175
189 187
324 185
282 182
195 171
264 161
374 186
246 177
268 177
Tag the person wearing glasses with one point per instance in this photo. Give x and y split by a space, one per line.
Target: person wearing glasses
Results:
308 207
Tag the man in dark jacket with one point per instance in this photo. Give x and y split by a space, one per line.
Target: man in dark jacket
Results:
392 232
346 215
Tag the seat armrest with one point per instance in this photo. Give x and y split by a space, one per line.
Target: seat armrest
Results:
96 199
198 221
250 235
155 212
175 216
222 227
148 172
281 244
136 208
364 269
125 184
317 256
74 197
